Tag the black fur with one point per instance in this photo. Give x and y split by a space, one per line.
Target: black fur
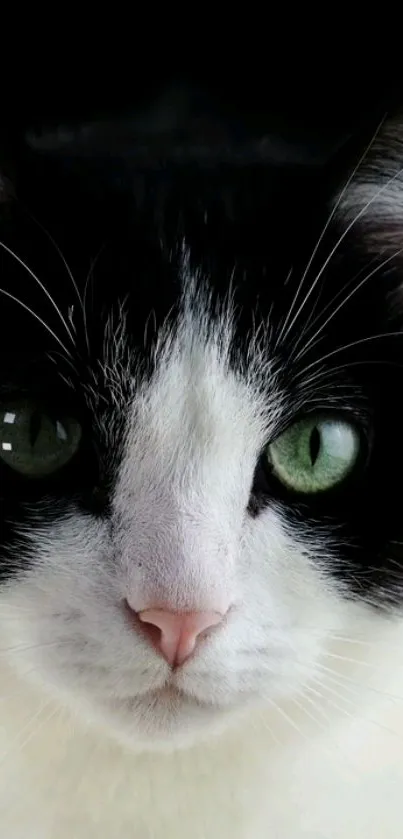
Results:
119 230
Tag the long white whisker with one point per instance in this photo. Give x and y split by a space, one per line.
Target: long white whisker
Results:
319 710
287 718
84 302
51 356
39 319
361 641
305 711
60 253
339 242
340 684
394 561
4 697
343 303
334 299
288 277
286 329
25 727
41 286
349 660
348 347
29 648
33 733
263 722
324 375
316 693
340 679
85 324
355 705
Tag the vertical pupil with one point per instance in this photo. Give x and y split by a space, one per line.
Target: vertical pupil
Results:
314 445
34 427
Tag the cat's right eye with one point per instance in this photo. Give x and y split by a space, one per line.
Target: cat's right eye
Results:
32 442
314 454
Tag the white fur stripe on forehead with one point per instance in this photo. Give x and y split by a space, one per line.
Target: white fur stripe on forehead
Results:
193 360
194 355
205 342
200 326
373 200
198 323
198 424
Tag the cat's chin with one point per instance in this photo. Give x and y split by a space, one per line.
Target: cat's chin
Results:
165 719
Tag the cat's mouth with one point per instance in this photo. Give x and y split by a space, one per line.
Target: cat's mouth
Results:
173 696
168 697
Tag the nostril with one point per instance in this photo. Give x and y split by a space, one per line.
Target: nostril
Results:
148 631
174 635
152 633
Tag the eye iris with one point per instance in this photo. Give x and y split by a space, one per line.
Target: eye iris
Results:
314 455
33 443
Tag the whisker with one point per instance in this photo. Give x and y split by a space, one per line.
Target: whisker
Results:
287 328
395 561
339 242
305 711
339 294
286 717
4 697
354 705
325 375
263 721
361 641
41 286
341 678
346 688
84 299
288 277
343 303
39 319
327 726
25 727
348 347
22 649
60 254
317 707
310 322
33 733
51 356
349 660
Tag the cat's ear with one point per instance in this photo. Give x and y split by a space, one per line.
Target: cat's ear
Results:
371 203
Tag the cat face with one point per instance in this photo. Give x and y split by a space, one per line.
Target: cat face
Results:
186 433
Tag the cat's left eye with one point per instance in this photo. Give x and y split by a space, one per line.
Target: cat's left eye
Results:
33 443
314 454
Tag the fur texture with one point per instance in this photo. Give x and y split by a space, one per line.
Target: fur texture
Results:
182 354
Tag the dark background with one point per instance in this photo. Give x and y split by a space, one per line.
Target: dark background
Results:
299 117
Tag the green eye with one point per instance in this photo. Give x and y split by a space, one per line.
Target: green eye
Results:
34 444
314 454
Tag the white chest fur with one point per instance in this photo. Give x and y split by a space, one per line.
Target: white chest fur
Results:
317 781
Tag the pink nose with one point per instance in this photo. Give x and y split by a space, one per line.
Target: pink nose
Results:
176 636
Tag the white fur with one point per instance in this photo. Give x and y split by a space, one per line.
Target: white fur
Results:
337 777
263 740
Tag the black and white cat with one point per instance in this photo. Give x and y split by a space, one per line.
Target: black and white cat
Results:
201 456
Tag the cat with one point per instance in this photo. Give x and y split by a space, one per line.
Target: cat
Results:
201 559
